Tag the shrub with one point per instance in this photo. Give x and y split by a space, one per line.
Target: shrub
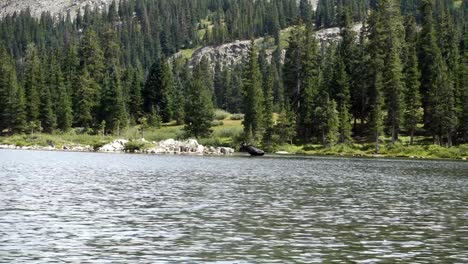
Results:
98 144
217 123
134 146
220 114
237 116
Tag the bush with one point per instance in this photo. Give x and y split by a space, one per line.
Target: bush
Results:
217 123
134 146
237 116
98 144
220 114
231 132
21 144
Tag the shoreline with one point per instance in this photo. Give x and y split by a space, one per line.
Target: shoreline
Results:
281 154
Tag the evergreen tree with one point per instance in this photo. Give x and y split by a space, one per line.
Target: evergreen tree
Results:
113 110
412 96
158 90
340 86
199 110
327 120
92 56
135 102
88 89
464 85
252 94
268 111
286 125
292 68
309 81
377 39
12 101
33 83
62 100
436 85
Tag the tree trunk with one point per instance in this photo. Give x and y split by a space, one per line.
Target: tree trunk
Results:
449 139
411 136
377 147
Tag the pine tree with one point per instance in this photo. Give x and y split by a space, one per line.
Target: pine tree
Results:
86 102
464 85
292 68
309 81
436 85
47 108
268 111
340 86
199 110
158 90
252 94
428 50
327 120
412 96
32 83
12 101
286 125
135 102
376 66
92 56
62 100
113 109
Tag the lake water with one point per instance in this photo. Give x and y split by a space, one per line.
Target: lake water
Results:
58 207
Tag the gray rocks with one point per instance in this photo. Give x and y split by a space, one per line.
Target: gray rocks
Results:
115 146
187 147
55 7
234 53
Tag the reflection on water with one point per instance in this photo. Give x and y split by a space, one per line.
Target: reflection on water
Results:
86 207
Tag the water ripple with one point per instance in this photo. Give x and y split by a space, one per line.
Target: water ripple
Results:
101 208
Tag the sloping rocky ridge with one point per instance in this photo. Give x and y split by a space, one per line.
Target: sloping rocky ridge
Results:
234 53
55 7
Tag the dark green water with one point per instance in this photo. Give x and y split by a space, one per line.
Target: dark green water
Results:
103 208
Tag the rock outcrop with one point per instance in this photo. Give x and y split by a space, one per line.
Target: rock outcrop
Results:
115 146
55 7
234 53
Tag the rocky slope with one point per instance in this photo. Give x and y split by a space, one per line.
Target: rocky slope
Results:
231 54
58 6
55 7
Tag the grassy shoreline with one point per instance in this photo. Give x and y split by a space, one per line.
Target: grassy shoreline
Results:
226 134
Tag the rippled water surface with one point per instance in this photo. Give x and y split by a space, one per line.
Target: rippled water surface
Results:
104 208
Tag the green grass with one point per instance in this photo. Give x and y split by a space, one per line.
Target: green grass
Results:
188 53
230 134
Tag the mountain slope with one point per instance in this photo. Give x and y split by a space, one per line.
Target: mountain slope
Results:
55 7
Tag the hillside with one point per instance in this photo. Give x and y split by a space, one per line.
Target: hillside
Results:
234 53
54 7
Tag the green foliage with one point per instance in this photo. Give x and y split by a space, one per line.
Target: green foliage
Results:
217 123
159 89
220 114
199 110
252 96
236 117
135 146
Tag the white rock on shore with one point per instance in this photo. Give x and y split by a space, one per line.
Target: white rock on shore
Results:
168 146
115 146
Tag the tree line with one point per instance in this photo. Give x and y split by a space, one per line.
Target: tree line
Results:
385 80
401 74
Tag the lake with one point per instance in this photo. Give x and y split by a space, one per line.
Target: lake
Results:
62 207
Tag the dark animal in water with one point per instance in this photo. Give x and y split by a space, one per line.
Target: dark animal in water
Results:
253 151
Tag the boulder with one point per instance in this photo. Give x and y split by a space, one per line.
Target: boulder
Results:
115 146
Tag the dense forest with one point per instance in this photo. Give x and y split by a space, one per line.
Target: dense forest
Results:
405 72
